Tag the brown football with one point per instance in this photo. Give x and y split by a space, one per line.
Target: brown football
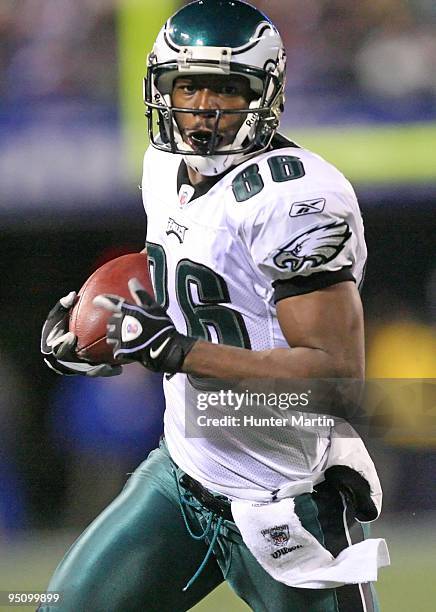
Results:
88 322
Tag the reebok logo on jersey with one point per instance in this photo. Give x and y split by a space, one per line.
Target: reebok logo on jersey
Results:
316 246
175 228
307 207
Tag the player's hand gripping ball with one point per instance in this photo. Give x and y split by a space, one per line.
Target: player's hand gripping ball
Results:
58 344
143 331
74 334
89 322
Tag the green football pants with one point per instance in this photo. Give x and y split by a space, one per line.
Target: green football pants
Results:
138 555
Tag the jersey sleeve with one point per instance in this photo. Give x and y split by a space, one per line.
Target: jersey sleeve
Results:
308 244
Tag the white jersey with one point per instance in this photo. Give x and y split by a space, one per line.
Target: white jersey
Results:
282 223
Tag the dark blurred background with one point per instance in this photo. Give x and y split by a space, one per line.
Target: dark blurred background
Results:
361 91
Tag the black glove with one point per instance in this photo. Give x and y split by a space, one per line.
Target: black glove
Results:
144 332
58 344
355 489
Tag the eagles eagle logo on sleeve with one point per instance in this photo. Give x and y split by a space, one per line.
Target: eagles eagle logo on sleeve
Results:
317 246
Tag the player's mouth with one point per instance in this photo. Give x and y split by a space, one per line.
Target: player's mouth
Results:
201 140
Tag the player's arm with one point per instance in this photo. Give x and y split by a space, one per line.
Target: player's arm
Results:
324 329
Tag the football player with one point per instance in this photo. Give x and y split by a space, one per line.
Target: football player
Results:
257 252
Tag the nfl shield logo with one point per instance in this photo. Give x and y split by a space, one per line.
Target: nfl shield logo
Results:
185 194
278 535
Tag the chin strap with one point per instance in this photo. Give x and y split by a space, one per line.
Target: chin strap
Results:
210 165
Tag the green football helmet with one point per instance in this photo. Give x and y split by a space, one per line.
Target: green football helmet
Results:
223 37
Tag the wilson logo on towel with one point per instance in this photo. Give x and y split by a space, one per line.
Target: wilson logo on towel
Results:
284 551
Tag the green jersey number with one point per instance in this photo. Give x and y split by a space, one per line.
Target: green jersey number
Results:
201 293
249 182
157 263
194 279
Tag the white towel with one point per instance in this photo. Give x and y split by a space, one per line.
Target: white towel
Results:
290 554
